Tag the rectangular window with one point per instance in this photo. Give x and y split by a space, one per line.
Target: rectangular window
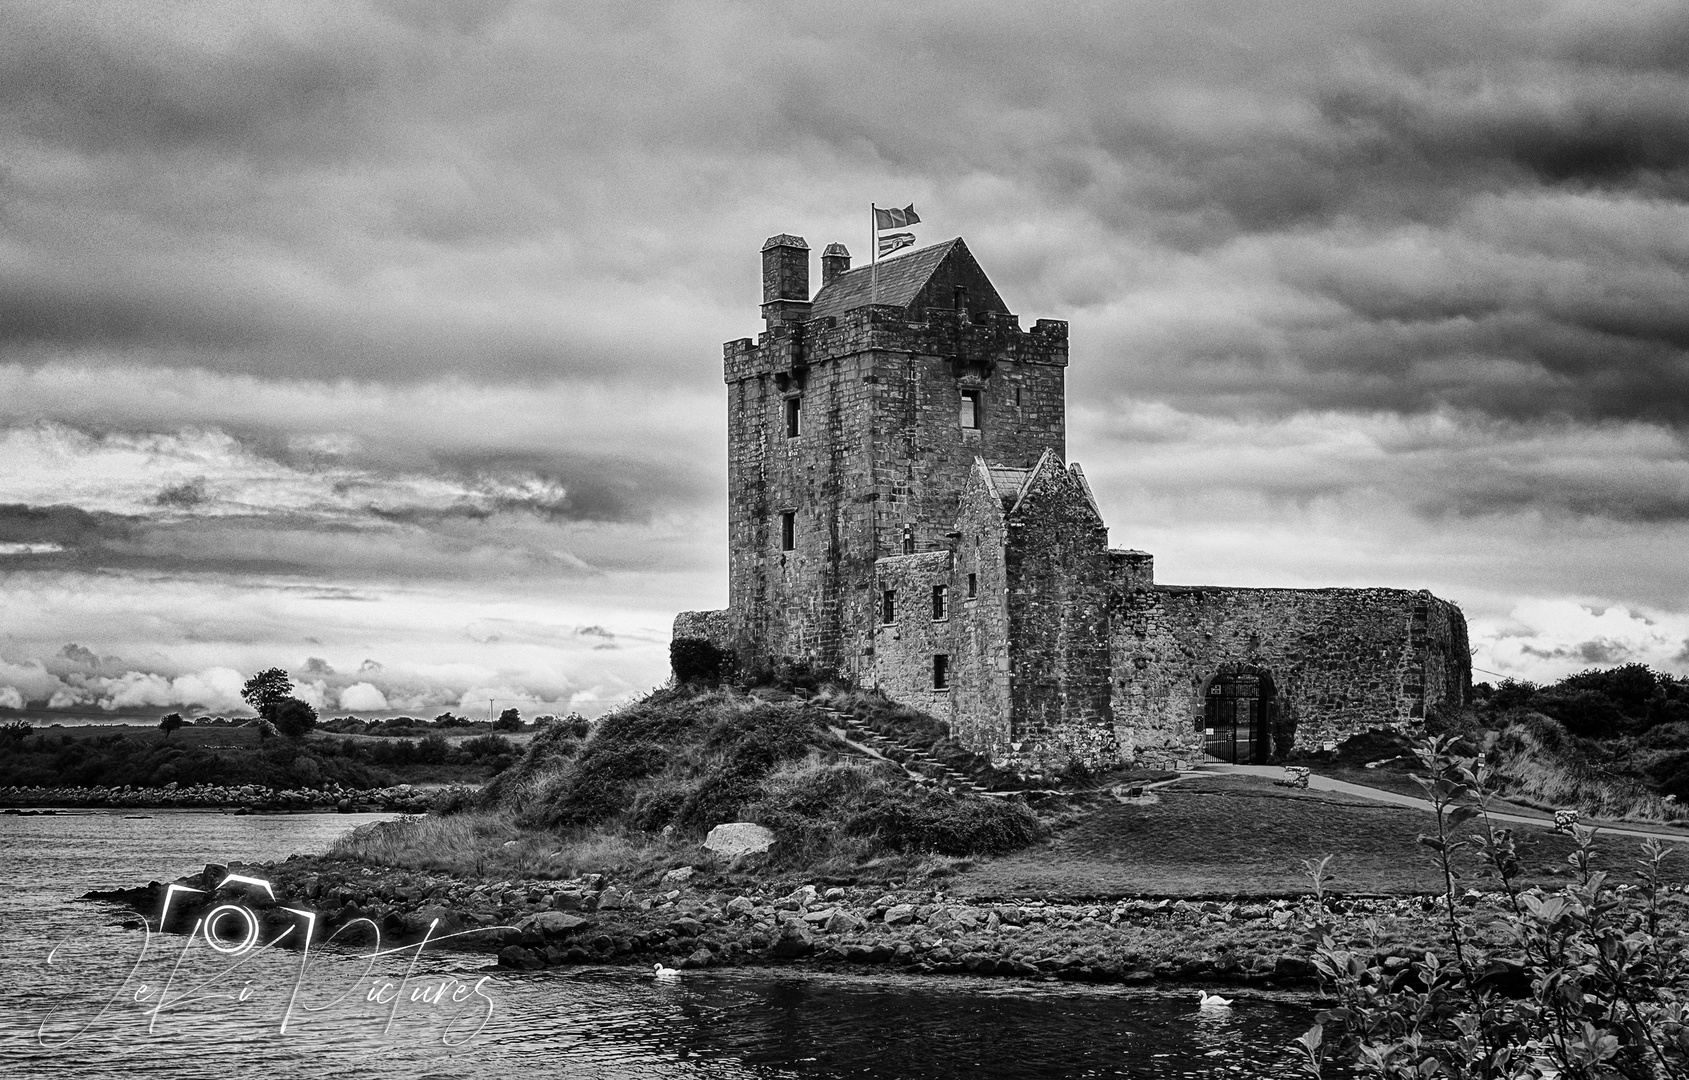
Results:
973 586
788 530
888 606
971 408
940 593
941 672
794 413
1017 397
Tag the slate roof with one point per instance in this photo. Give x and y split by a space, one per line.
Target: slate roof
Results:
901 279
1008 481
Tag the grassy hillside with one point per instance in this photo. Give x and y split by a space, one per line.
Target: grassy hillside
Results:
655 776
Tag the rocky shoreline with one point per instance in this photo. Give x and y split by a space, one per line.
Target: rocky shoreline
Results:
248 798
701 918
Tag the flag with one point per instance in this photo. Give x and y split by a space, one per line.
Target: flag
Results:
895 219
892 241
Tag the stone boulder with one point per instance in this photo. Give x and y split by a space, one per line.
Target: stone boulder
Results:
680 875
900 913
556 923
739 838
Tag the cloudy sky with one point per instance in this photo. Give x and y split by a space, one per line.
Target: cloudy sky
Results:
381 341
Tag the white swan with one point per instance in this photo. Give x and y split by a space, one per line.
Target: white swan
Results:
661 972
1211 1001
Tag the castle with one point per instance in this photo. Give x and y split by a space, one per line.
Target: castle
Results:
901 512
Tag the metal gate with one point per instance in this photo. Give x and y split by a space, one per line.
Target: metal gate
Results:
1236 716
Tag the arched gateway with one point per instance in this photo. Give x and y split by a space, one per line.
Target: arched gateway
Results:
1238 707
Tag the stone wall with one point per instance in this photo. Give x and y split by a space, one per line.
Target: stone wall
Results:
715 627
1057 571
904 647
981 703
1342 660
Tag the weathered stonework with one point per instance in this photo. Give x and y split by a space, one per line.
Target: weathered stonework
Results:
904 435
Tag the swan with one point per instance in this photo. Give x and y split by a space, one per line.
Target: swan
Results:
1215 1001
661 972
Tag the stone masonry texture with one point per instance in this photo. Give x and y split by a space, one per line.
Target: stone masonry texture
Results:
1050 648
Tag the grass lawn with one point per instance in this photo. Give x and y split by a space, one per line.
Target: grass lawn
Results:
1230 835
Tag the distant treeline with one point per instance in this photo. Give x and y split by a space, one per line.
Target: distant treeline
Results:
52 759
1597 704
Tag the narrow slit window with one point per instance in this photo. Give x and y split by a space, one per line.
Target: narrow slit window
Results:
1017 397
794 417
940 594
788 530
888 606
941 672
971 408
973 586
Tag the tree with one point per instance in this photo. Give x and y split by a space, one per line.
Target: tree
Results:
267 689
293 718
508 720
170 723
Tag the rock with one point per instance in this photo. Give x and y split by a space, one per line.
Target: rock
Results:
841 921
794 941
212 876
686 926
1292 967
555 923
816 918
899 914
611 899
741 905
517 957
833 894
680 875
888 900
700 958
418 921
739 838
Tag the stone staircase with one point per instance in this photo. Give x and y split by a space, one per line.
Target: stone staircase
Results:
917 764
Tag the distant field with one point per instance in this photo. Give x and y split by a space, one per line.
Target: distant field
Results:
1230 835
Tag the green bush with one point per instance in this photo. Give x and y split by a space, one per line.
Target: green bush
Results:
698 662
1595 990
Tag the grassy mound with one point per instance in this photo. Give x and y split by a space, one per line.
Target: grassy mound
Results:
1545 766
652 778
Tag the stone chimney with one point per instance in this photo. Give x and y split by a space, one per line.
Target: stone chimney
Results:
785 279
835 260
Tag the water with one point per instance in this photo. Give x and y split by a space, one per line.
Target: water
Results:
603 1022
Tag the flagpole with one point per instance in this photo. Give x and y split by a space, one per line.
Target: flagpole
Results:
873 256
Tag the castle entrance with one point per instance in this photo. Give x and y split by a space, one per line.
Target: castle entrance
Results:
1237 715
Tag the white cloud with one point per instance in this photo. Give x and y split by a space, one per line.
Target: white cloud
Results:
10 698
363 697
1545 640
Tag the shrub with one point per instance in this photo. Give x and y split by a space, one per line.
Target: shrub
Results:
170 723
433 749
508 720
293 718
1594 990
698 662
601 784
16 731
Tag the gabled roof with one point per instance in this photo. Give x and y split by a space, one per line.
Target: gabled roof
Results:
1008 481
925 277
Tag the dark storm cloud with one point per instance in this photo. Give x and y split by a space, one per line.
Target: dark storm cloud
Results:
497 156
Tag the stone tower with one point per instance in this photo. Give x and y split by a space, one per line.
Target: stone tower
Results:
854 419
